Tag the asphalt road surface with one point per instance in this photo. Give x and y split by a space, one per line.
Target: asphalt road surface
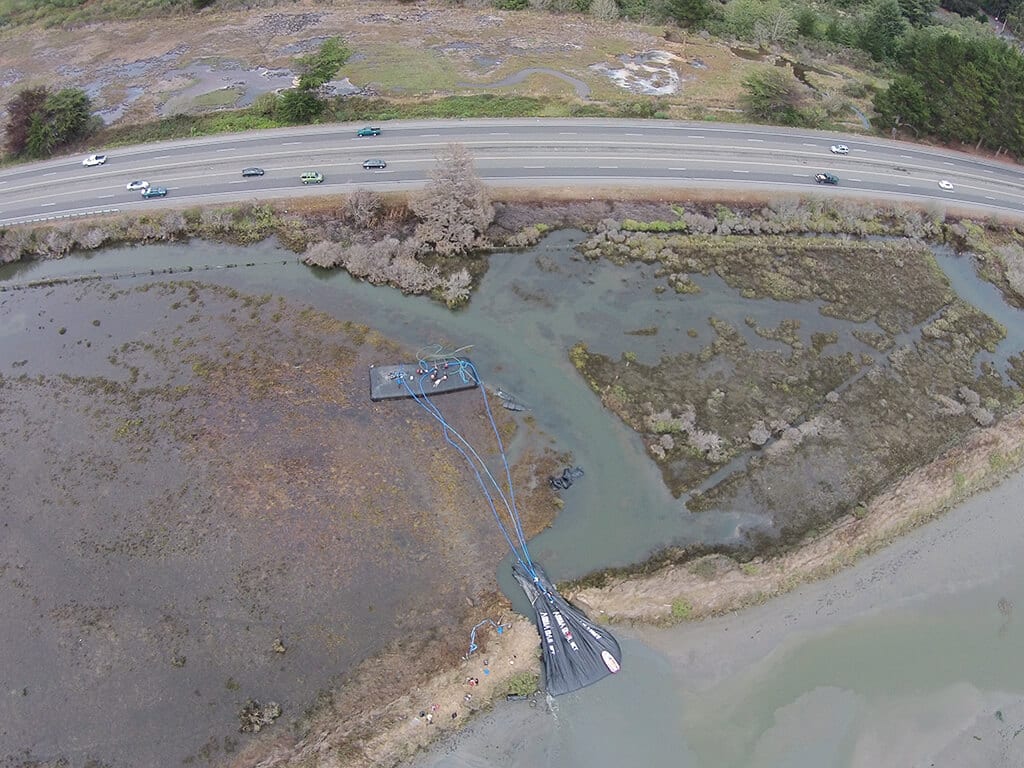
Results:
582 154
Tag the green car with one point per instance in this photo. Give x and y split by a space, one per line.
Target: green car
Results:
368 131
154 192
826 178
311 177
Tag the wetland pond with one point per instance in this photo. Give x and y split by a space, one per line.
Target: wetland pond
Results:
157 542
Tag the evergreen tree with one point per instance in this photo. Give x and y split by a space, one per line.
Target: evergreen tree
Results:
688 13
299 106
881 29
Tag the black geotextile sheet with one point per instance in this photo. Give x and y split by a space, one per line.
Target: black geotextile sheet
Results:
575 651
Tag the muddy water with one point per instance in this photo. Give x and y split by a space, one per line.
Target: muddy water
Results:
911 658
530 309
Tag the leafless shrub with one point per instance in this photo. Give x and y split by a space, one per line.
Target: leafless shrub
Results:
215 220
53 244
14 243
1012 256
948 406
362 208
356 260
982 416
664 422
456 287
174 224
709 444
698 223
88 237
606 10
969 396
411 276
323 254
759 433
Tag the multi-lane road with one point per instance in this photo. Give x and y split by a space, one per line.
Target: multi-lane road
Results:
592 154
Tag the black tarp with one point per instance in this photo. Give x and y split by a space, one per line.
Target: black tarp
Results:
575 651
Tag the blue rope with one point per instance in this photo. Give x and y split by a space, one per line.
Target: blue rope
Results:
476 463
500 628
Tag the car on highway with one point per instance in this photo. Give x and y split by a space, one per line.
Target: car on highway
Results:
135 186
826 178
373 165
839 149
252 171
154 192
946 185
311 177
368 131
92 160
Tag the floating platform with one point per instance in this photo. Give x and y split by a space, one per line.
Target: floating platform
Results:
390 382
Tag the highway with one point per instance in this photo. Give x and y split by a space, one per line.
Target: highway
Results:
583 154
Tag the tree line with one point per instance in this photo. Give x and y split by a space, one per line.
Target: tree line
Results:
957 88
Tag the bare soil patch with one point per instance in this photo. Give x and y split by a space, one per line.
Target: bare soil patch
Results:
135 69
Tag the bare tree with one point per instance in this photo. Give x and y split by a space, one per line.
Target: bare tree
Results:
455 208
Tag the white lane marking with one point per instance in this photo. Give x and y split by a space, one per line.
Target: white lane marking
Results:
43 205
760 140
696 137
232 149
809 145
902 185
237 181
799 175
104 197
567 133
500 133
51 173
289 143
946 162
429 135
857 180
162 157
735 171
634 134
989 197
906 157
533 167
608 167
677 169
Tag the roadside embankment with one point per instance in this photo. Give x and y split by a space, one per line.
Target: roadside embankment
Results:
717 584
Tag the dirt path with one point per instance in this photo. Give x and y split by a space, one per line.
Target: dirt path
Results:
716 584
581 88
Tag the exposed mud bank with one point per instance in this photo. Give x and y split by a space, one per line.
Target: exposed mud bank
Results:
717 584
206 509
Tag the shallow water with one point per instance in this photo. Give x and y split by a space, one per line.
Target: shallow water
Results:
531 307
911 658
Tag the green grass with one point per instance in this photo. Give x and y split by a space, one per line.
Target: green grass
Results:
222 97
681 610
54 13
349 110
